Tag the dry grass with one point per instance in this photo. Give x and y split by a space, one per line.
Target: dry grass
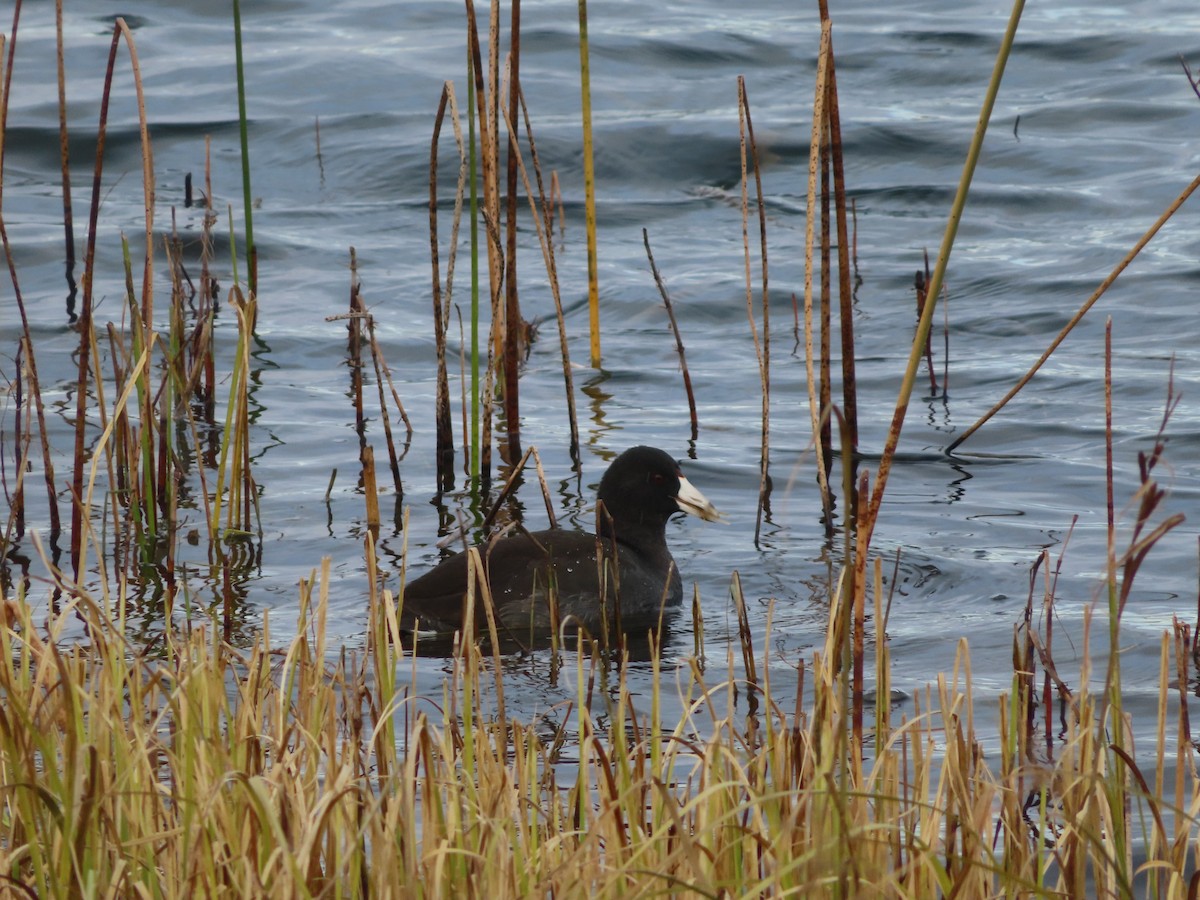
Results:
205 769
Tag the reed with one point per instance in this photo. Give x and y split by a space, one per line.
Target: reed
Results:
687 376
1120 267
193 766
748 154
27 383
244 137
294 770
542 210
589 186
817 412
847 252
442 299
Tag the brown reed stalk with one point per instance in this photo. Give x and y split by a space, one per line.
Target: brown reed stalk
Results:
745 642
382 376
825 385
32 384
816 416
920 282
198 350
144 338
120 31
1188 74
370 488
556 202
543 212
513 330
762 350
32 390
1137 248
441 310
687 377
444 299
854 244
464 402
385 369
795 323
513 481
64 156
14 527
355 317
845 289
9 44
120 457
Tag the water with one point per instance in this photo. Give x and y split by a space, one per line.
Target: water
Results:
1093 135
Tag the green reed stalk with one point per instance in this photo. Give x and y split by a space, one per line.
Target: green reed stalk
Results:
868 513
247 196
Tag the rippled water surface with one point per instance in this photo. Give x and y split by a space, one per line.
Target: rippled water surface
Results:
1094 133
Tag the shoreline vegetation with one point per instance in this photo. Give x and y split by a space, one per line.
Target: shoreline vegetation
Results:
205 764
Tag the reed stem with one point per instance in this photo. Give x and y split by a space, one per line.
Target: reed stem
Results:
243 135
589 186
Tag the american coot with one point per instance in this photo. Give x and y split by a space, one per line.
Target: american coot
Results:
641 490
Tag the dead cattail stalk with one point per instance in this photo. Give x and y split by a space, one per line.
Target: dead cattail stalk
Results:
513 331
820 99
845 260
745 642
556 201
511 484
488 110
542 217
762 350
687 377
443 428
33 388
64 157
370 489
380 377
919 282
120 30
824 386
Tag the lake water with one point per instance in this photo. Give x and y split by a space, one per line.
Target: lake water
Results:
1106 138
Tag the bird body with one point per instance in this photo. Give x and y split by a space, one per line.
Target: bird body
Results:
545 579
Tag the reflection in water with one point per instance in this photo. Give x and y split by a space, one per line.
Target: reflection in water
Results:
597 397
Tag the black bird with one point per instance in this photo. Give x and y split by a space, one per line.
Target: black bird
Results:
626 567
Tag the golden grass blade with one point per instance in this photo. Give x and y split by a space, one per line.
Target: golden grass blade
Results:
1129 257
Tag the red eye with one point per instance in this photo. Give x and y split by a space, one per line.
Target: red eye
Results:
657 478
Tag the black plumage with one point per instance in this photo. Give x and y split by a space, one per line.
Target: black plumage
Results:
624 573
